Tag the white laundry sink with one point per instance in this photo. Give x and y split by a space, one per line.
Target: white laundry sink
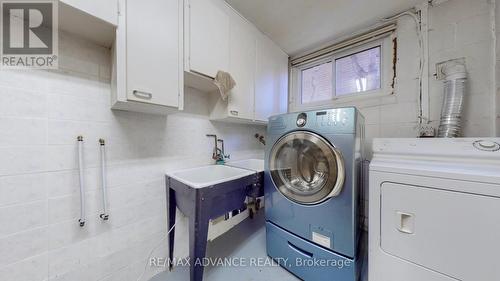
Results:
203 194
209 175
256 165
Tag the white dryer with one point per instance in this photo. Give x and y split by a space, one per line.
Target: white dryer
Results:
434 211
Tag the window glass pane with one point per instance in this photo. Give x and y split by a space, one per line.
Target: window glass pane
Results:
317 83
359 72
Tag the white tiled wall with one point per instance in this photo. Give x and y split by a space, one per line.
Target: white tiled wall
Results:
457 28
466 27
41 114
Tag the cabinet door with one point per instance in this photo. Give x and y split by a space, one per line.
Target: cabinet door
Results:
271 86
242 56
208 37
153 51
106 10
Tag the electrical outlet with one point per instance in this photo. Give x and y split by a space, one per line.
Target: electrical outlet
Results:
427 132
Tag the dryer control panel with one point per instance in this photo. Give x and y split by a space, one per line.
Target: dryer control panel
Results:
487 145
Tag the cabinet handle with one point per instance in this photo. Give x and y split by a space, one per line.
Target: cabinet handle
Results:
142 95
234 112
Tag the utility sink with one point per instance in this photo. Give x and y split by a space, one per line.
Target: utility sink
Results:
256 165
202 194
205 176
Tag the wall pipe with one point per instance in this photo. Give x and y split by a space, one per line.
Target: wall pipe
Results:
81 221
104 215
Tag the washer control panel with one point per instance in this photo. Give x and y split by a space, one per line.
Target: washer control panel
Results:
486 145
301 120
332 118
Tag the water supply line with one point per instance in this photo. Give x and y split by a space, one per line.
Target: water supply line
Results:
455 78
216 152
104 215
81 221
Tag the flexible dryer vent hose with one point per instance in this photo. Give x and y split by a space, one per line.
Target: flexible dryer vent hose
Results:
454 91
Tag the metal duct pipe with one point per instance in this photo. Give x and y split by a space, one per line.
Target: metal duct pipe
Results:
455 77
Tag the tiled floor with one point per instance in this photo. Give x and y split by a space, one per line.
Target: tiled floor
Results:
246 241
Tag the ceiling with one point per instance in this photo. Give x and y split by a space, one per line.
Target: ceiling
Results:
300 25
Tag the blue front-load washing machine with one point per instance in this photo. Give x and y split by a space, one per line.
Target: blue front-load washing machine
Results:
312 192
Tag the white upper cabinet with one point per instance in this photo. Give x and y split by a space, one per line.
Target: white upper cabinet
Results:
242 57
207 44
106 10
92 20
148 62
158 45
153 51
221 39
271 83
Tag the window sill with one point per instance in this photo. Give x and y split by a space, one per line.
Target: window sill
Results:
367 99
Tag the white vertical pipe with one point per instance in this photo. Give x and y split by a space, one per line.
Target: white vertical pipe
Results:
82 186
104 214
424 29
494 14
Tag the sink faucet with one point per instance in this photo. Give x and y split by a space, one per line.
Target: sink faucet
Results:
260 138
218 153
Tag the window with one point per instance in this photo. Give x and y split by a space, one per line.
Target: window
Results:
317 83
362 71
358 72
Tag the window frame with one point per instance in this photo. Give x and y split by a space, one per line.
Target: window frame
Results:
387 75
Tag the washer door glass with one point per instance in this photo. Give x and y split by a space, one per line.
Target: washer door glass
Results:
306 168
